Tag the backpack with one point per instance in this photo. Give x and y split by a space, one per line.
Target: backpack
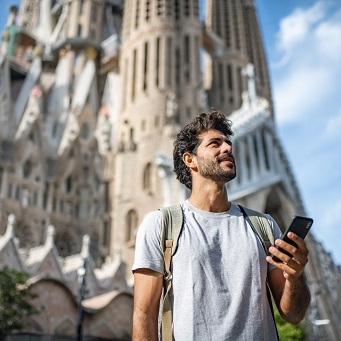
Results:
171 226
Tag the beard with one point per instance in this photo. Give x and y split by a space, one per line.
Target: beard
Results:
212 170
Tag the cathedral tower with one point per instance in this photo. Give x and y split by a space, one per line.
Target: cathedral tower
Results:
232 40
160 92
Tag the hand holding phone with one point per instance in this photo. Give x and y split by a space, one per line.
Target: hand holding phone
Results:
300 226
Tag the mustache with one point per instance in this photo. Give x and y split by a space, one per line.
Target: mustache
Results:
225 157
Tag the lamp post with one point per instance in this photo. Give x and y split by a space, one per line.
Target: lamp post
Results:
81 272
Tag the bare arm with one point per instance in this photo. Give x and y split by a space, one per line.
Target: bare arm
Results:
288 285
147 293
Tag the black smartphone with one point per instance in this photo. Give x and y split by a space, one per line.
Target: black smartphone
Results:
300 226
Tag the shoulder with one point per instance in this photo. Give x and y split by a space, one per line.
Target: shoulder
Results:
251 212
152 217
271 221
150 225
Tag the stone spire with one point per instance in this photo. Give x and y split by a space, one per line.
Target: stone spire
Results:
44 28
160 69
235 25
255 50
249 72
13 12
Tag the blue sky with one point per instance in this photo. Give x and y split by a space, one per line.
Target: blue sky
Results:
303 43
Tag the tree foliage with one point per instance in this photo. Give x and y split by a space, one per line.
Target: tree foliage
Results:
288 331
15 300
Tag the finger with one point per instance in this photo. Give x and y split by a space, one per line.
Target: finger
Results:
291 270
296 263
300 254
283 257
301 245
285 247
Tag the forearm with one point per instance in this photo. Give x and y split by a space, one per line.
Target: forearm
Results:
295 300
145 326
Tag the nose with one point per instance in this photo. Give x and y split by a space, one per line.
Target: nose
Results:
226 148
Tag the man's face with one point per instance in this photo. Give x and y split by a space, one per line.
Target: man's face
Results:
214 157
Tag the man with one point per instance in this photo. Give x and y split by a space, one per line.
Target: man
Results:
220 268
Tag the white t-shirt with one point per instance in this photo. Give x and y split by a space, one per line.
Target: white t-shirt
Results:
219 275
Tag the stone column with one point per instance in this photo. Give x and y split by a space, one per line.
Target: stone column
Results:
270 149
261 156
4 183
253 161
49 205
243 164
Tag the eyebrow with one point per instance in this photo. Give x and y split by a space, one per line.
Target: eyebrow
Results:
219 139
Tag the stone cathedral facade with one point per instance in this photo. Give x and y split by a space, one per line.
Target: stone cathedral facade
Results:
92 94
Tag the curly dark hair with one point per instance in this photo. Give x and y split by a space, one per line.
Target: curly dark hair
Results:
187 140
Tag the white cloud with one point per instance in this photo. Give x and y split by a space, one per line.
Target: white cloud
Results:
298 94
296 27
306 78
328 36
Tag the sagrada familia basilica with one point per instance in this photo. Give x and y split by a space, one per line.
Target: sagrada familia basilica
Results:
92 94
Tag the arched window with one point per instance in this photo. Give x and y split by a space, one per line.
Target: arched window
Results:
265 150
157 71
27 169
24 234
54 129
145 67
94 246
65 244
131 225
137 14
147 13
65 327
85 131
68 184
147 178
274 206
106 234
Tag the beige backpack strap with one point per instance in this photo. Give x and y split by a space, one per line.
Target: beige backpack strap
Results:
172 219
260 225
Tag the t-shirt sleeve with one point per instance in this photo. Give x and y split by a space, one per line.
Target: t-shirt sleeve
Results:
277 234
148 253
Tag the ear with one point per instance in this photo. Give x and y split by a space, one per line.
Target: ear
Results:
190 160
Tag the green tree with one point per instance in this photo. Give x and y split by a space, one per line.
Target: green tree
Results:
288 331
15 300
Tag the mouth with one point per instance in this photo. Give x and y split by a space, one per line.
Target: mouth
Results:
225 158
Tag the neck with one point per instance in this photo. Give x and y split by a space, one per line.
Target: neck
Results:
210 197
